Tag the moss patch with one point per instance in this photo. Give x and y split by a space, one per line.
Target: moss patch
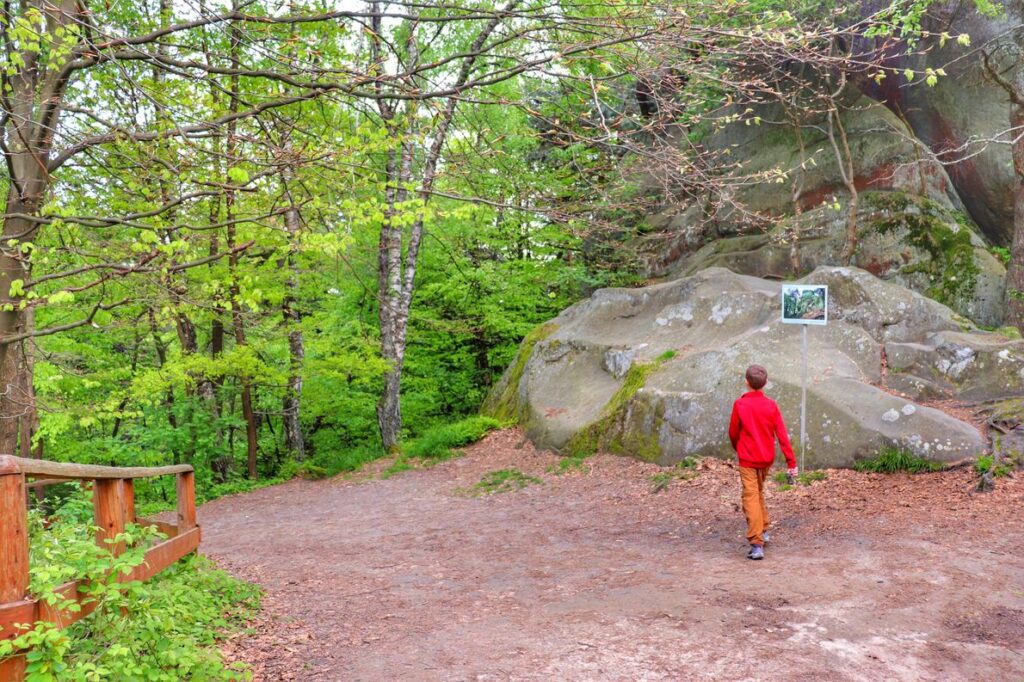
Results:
951 266
1010 332
504 404
1009 411
609 430
500 481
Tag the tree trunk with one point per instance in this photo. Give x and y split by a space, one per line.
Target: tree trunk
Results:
850 248
248 414
389 410
796 191
33 97
14 404
390 293
29 422
296 346
1015 268
847 172
397 276
293 400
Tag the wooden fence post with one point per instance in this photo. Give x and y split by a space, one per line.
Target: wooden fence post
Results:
108 503
13 550
129 500
186 501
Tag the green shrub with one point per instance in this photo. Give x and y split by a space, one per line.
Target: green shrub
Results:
438 442
311 471
163 629
892 459
1002 253
331 463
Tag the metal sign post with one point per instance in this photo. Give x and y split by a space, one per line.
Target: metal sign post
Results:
804 304
803 403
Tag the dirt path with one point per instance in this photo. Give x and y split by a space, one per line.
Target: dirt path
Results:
591 576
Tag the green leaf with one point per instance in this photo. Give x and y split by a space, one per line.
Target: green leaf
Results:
238 175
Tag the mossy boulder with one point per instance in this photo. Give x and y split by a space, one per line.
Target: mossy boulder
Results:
685 344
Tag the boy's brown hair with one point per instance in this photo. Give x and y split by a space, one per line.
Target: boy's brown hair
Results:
757 377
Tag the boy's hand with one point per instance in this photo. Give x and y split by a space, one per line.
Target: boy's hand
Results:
793 471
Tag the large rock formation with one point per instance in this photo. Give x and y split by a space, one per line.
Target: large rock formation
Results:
964 118
652 372
913 227
924 224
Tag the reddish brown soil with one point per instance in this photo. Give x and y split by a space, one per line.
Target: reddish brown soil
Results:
592 576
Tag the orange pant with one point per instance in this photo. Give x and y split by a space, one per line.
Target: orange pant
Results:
754 507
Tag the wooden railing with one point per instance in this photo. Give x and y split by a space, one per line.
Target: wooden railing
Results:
113 505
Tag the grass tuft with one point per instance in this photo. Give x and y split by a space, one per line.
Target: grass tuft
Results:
986 465
400 464
892 459
501 481
569 463
666 356
683 470
782 478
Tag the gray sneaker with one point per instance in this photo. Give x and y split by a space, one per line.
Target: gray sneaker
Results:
767 538
756 552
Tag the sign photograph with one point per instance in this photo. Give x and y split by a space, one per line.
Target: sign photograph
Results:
805 303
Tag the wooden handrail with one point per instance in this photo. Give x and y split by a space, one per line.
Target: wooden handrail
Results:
113 507
70 471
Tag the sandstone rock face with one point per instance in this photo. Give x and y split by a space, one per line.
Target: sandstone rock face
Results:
913 228
954 117
652 372
903 239
932 167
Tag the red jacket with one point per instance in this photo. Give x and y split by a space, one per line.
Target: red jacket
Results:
756 422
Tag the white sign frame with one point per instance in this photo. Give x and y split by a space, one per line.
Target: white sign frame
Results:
800 289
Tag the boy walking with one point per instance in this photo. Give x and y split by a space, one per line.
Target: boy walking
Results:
755 424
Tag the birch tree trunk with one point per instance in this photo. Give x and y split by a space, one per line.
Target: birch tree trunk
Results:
397 275
294 440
